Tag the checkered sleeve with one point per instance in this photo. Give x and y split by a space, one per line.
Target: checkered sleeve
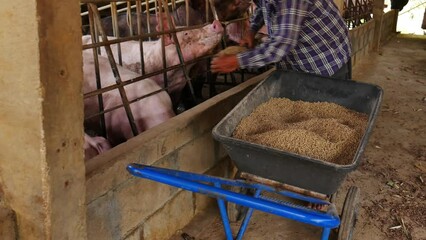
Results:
256 20
289 15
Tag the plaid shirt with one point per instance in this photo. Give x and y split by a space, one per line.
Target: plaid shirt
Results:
304 35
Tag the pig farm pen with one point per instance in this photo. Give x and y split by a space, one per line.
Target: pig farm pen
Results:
190 138
122 31
183 143
105 200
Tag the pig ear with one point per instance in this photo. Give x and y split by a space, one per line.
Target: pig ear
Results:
163 18
168 39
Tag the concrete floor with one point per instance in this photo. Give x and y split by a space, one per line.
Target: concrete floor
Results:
392 174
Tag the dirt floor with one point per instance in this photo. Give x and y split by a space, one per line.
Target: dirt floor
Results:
392 174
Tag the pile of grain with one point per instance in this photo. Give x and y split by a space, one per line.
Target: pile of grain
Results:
319 130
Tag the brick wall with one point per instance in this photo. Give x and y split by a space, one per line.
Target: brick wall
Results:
362 41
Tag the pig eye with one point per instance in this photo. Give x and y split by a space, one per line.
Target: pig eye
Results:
186 34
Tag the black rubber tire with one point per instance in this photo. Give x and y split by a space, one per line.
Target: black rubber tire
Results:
237 212
333 197
349 214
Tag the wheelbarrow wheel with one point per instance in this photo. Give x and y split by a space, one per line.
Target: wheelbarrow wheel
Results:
236 212
349 214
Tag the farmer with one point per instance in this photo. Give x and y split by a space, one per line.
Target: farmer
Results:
398 4
306 36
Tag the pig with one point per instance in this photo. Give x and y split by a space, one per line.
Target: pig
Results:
194 43
225 9
94 146
147 112
231 9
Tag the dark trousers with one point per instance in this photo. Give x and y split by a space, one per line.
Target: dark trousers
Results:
345 72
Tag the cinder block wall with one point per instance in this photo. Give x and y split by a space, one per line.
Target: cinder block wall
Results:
362 37
120 206
362 41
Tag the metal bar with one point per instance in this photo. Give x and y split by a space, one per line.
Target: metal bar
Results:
97 74
298 214
187 12
114 70
325 233
224 215
148 19
116 31
207 12
129 18
279 185
118 2
179 52
215 16
163 48
100 8
213 8
247 218
139 22
238 183
103 1
125 39
173 5
148 75
122 105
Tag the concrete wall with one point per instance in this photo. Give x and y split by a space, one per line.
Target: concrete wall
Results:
121 206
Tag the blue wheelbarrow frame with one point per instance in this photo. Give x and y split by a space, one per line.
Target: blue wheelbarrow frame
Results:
216 187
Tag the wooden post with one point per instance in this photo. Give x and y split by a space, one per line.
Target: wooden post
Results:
378 6
340 5
42 171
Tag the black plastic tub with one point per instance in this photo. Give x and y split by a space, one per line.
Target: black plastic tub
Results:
286 167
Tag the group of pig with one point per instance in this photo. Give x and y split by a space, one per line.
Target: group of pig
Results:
155 108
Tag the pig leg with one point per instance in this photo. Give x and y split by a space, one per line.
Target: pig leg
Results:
94 146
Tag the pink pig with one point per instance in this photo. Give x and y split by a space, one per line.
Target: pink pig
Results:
147 112
94 146
194 43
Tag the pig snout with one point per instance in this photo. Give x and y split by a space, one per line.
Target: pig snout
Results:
217 27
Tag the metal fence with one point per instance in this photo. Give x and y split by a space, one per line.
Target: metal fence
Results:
107 38
357 12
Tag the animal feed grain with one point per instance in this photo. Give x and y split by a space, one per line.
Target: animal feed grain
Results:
319 130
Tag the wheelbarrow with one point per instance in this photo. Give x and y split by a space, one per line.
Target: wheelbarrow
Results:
263 169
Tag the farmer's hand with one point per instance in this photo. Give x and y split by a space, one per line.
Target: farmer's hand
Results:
224 64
